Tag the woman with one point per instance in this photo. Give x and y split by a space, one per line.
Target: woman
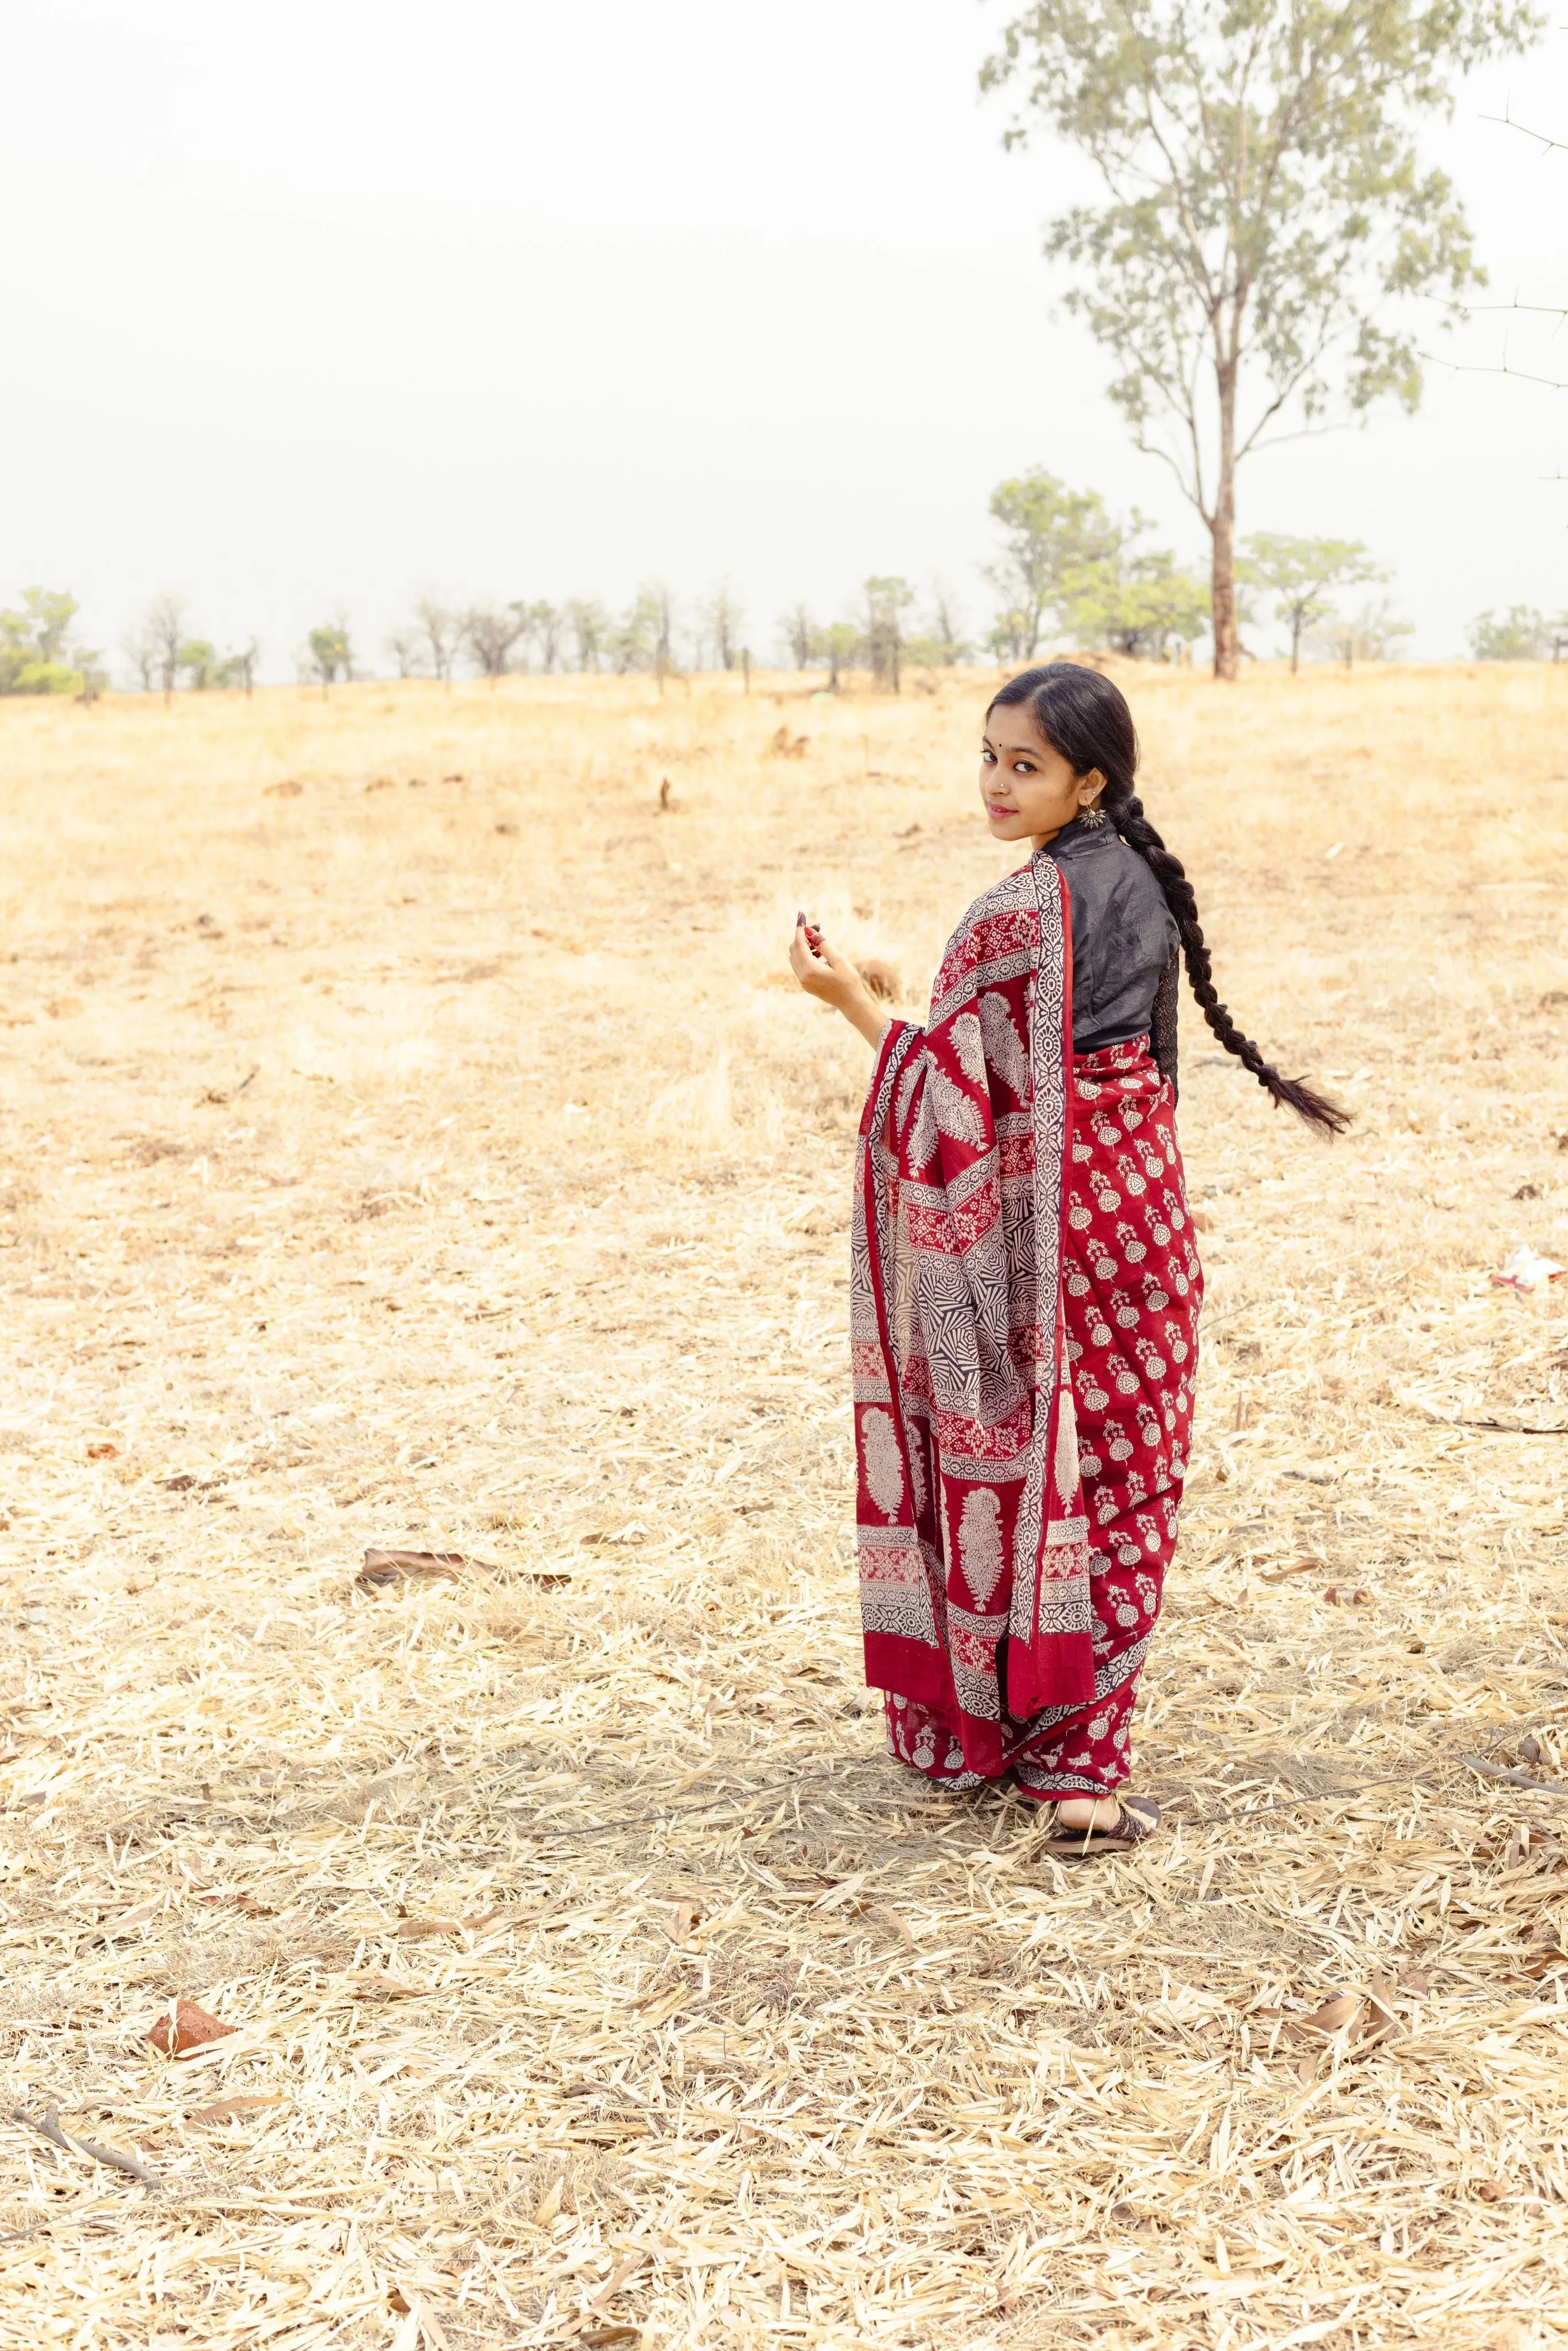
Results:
1025 1286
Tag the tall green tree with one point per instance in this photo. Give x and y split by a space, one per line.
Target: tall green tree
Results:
1303 575
1265 206
35 653
331 653
1049 533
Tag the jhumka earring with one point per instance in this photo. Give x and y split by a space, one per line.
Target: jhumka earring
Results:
1092 817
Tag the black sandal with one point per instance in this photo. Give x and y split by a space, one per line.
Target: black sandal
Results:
1138 1817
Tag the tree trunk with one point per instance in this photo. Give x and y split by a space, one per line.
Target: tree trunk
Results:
1295 644
1226 643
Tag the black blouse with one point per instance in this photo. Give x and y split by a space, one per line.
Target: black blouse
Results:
1124 943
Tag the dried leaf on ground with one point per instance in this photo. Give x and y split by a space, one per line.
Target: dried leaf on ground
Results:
237 2109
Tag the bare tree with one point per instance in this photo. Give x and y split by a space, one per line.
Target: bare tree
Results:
163 629
660 603
725 617
240 669
948 641
1366 635
442 630
140 652
799 634
886 602
589 625
490 631
543 624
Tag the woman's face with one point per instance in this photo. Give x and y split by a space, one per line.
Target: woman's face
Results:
1027 790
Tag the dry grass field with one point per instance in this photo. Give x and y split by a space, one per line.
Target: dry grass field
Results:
411 1140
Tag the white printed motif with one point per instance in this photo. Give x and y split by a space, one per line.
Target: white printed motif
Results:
980 1543
1131 1298
959 1119
1004 1046
966 1044
883 1469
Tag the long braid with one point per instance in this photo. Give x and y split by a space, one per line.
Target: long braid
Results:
1085 718
1127 815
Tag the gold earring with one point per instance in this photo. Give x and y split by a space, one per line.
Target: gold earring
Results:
1091 816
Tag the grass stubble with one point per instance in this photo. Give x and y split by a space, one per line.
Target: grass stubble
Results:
414 1139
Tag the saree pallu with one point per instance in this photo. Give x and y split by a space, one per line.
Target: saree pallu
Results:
1025 1297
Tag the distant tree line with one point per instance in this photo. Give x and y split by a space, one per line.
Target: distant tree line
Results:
1070 573
165 652
1521 633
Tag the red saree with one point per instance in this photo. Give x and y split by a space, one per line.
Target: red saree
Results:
1025 1297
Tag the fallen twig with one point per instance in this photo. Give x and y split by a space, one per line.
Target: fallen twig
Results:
114 2156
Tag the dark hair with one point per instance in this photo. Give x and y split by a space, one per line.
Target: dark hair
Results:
1082 715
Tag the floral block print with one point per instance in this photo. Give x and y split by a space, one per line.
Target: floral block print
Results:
1026 1299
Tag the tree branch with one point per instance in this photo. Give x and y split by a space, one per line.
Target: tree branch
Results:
1463 367
1546 145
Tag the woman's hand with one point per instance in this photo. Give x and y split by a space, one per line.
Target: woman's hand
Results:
833 979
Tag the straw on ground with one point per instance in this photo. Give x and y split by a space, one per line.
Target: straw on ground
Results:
415 1144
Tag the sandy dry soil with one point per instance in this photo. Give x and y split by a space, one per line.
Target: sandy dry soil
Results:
411 1140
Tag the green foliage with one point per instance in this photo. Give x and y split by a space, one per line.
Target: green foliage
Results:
240 669
836 646
1074 566
1137 602
199 661
1051 533
934 648
643 637
331 655
1301 575
35 653
941 643
1264 205
1521 633
588 625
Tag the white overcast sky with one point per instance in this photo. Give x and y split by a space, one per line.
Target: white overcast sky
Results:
315 305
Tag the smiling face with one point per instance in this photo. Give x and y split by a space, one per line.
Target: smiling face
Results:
1027 790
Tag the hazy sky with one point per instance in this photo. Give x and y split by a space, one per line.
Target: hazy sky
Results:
317 306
